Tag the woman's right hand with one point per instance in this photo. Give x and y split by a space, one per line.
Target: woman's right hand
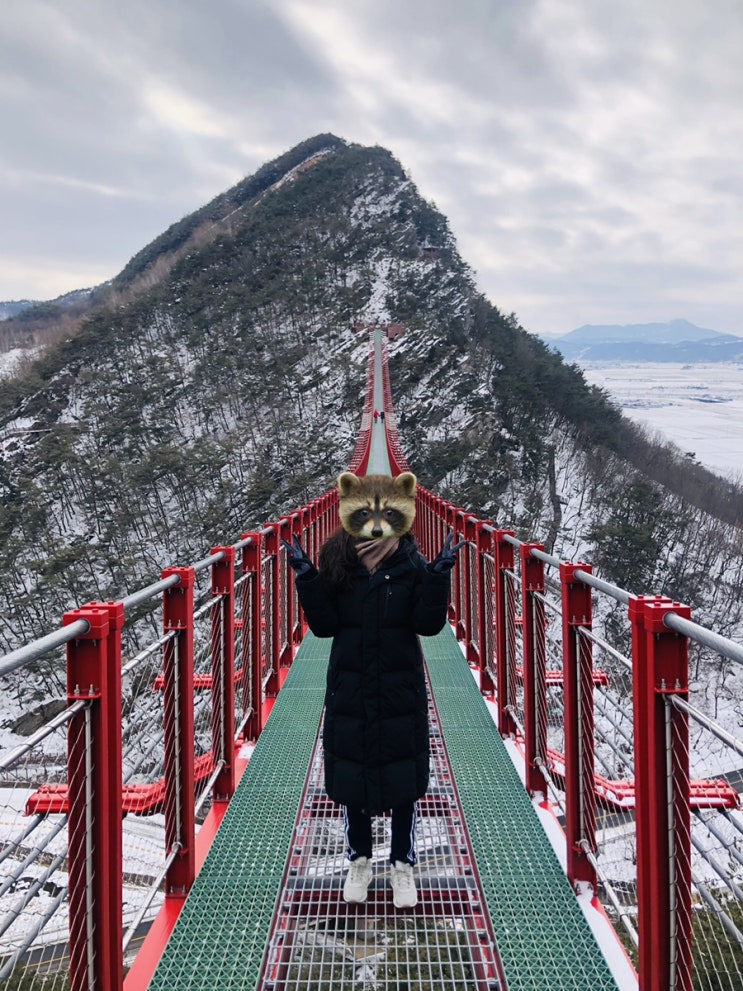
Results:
296 557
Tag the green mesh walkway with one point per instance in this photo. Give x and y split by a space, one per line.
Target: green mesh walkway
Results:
542 937
224 929
222 932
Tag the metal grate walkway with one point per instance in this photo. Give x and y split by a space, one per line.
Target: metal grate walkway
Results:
542 937
222 932
266 910
320 942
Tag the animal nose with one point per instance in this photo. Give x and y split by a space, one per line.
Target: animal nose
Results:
377 531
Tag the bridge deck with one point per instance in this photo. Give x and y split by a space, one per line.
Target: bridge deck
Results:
266 909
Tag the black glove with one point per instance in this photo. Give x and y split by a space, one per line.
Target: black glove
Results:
297 559
446 558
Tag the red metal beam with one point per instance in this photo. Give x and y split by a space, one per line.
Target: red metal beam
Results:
223 672
505 632
556 676
707 793
535 663
252 641
660 662
577 665
485 616
178 719
94 813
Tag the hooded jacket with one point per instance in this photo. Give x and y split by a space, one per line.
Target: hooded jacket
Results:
375 735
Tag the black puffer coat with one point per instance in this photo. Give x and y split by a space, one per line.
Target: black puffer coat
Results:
376 718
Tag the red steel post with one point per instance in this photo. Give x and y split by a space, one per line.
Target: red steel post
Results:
461 586
434 525
429 527
178 718
441 523
455 608
223 673
485 610
420 527
319 523
534 668
467 566
505 633
116 854
333 518
661 669
423 520
301 530
273 619
252 613
460 626
323 521
285 592
94 807
577 673
636 615
437 526
328 520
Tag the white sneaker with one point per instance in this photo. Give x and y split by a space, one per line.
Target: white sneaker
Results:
357 880
404 894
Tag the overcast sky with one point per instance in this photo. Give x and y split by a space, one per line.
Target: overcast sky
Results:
587 153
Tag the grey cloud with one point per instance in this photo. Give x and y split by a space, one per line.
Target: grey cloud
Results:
233 52
588 156
485 47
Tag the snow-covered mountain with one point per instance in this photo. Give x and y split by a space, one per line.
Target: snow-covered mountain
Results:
217 382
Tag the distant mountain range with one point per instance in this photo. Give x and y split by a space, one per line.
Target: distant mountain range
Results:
31 307
15 306
674 341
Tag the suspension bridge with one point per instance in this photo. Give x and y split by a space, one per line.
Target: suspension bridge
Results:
168 829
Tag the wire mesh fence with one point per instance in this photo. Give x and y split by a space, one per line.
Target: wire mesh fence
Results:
516 632
34 915
187 690
524 673
716 844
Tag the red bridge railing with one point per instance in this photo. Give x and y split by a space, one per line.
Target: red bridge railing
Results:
223 653
530 636
191 666
527 627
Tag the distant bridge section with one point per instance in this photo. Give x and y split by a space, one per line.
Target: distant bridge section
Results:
171 818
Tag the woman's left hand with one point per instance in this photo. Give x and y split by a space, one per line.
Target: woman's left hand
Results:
447 556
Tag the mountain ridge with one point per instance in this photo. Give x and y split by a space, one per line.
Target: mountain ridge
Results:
12 307
674 331
220 384
673 341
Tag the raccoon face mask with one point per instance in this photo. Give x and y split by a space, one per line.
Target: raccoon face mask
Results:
376 506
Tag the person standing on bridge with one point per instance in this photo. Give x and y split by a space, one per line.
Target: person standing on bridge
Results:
374 593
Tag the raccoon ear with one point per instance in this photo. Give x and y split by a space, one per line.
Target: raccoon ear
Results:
406 483
347 482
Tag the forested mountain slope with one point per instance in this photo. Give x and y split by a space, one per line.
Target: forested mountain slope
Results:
218 381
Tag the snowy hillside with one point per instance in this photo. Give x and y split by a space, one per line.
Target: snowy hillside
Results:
218 383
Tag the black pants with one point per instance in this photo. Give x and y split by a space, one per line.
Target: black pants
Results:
359 833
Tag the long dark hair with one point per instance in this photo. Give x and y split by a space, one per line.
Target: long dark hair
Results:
338 558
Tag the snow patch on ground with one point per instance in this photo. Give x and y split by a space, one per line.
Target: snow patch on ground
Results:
10 360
